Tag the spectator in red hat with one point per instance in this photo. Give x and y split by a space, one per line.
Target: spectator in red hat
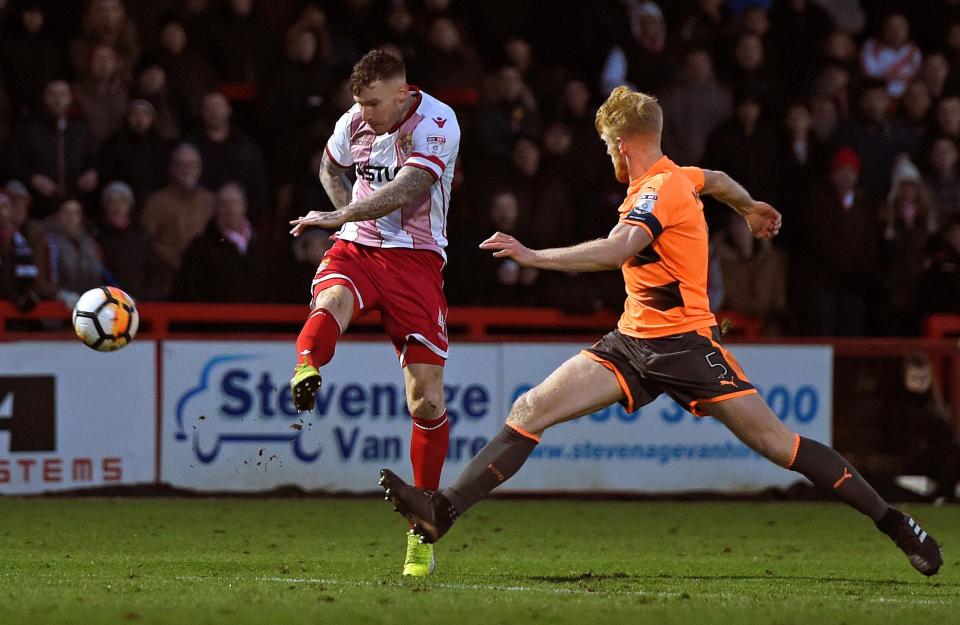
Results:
877 137
839 237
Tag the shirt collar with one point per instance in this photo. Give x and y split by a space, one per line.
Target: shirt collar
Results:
417 99
659 165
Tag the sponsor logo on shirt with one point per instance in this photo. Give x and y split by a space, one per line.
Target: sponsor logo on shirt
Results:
376 173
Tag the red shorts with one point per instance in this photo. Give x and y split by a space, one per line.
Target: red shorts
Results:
405 285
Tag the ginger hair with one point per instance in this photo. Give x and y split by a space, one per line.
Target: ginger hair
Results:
629 113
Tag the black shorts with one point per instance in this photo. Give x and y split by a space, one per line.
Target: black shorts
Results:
692 367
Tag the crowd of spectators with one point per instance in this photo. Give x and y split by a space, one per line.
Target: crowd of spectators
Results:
162 146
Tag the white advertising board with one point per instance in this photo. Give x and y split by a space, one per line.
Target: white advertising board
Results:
229 423
664 448
73 418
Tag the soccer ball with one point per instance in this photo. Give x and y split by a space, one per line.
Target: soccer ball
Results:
105 318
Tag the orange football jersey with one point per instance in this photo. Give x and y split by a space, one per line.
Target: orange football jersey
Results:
667 281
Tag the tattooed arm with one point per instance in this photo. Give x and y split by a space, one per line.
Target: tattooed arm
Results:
410 183
335 182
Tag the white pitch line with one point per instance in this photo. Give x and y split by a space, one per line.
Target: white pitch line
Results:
441 585
455 586
558 591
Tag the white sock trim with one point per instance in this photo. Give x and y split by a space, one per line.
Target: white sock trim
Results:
332 316
442 421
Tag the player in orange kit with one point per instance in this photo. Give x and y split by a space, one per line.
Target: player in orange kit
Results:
666 341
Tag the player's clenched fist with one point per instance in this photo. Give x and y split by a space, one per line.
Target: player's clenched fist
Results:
320 219
764 220
505 246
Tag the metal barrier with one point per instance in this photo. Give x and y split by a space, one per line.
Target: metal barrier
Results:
941 326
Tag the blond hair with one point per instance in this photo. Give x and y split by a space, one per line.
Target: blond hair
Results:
628 113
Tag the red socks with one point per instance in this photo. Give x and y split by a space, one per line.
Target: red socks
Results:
428 450
428 444
318 338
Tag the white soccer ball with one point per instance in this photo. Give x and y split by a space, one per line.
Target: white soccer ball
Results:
105 318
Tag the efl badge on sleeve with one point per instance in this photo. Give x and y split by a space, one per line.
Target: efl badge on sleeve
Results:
435 143
645 203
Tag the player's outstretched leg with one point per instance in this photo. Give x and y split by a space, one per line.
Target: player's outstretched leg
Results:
432 513
754 423
578 387
317 341
921 549
830 471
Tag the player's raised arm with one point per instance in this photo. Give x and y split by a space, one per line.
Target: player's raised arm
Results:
764 220
623 242
409 184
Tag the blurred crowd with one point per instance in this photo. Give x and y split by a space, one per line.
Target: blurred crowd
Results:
163 146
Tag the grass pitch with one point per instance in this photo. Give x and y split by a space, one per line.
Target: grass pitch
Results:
198 561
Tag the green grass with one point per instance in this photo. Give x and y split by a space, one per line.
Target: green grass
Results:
196 561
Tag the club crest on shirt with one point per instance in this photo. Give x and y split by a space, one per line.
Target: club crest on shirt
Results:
405 142
645 204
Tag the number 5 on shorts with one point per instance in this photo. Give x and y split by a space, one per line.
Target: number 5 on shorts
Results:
716 364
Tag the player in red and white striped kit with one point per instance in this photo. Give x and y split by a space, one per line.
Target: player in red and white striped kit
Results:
389 254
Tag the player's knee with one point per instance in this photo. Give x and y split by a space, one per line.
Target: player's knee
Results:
422 402
525 412
336 299
772 445
328 301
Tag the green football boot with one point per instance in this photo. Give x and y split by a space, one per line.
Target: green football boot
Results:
305 382
420 561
